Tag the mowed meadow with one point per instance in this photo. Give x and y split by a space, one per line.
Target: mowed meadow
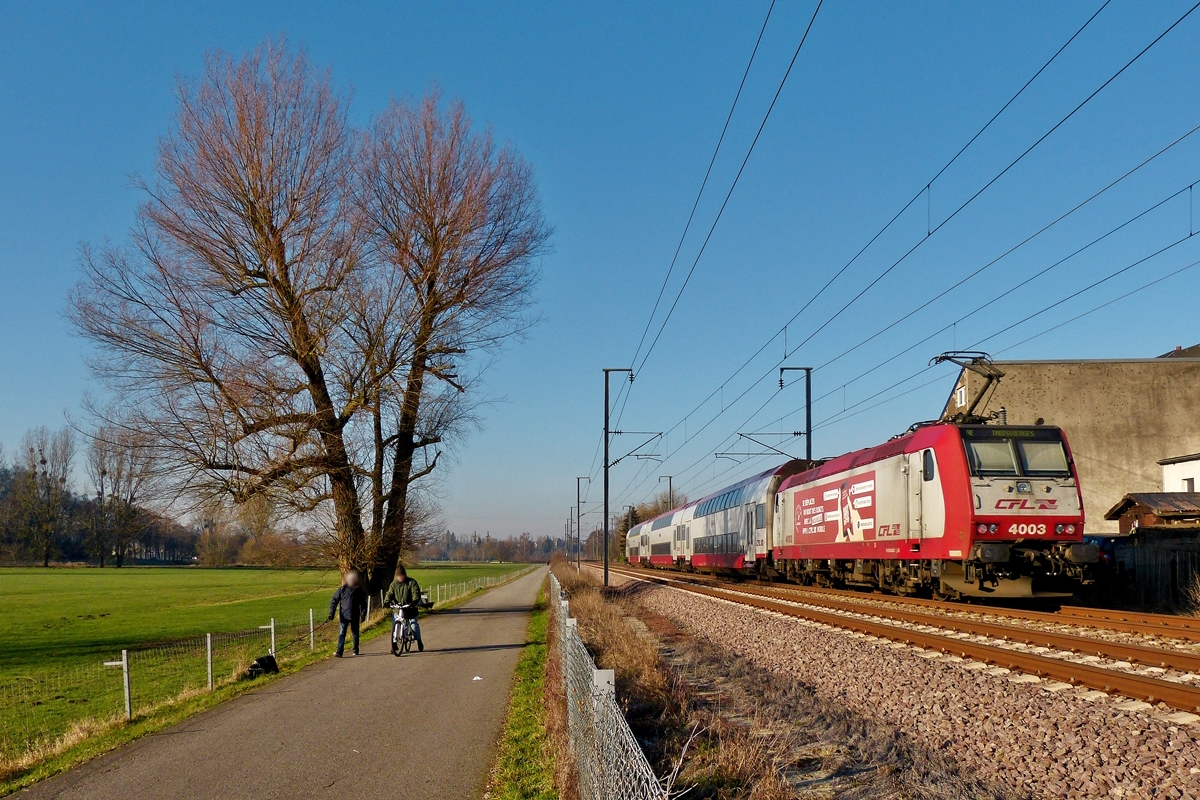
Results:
65 615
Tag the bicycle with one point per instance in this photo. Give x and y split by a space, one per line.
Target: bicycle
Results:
402 632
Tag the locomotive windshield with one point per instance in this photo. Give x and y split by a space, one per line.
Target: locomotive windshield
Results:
1015 452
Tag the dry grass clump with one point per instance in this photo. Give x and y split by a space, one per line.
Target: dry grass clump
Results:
79 731
734 760
1191 596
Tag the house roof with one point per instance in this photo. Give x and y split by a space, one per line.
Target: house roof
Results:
1161 504
1183 352
1180 459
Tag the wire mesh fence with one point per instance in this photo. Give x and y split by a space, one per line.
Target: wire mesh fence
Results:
609 761
52 705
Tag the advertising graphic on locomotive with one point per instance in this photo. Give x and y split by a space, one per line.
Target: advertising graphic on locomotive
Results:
946 509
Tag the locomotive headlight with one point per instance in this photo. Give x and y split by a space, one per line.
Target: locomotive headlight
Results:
992 528
1070 529
1058 529
981 528
1024 487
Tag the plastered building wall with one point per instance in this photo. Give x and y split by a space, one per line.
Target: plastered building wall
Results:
1120 417
1176 477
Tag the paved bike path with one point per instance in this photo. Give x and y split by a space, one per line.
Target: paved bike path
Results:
418 726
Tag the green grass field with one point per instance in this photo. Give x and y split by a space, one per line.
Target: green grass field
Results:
68 615
59 625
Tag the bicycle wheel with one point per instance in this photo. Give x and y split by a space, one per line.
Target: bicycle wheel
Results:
408 639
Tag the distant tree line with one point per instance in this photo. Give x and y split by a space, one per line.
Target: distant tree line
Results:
525 548
620 524
45 518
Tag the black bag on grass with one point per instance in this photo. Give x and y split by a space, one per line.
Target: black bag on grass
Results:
262 665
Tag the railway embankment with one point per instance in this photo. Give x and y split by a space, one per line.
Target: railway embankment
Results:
726 727
1039 738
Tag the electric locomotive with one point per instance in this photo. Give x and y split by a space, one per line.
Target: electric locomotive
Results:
946 509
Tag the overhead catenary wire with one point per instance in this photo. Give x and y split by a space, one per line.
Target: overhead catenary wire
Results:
997 177
829 420
626 390
1023 282
703 183
930 231
996 298
732 186
1021 244
923 191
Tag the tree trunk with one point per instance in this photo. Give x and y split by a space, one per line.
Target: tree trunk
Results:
391 543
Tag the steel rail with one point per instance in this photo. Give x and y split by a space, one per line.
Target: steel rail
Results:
1103 619
1140 687
1117 651
1154 621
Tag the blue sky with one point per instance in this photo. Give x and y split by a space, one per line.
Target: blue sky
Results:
619 107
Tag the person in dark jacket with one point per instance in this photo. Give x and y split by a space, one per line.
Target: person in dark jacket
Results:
405 591
351 602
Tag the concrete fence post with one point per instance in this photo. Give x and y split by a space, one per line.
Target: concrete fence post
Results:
312 632
570 630
603 691
368 608
271 627
124 665
208 643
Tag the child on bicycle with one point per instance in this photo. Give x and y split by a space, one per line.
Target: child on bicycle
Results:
404 591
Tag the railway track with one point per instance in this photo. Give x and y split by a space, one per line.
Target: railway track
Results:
957 637
1157 625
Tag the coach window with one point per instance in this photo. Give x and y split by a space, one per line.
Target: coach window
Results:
927 471
760 515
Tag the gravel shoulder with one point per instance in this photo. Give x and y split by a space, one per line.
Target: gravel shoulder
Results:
1019 735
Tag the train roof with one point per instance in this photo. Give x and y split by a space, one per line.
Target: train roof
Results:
924 435
718 500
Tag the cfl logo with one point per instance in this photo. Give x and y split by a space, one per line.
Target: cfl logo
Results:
1026 504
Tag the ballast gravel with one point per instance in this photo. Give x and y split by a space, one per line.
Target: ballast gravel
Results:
1046 744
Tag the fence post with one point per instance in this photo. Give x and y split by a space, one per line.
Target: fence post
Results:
368 608
272 627
571 629
603 692
312 633
124 665
208 642
125 676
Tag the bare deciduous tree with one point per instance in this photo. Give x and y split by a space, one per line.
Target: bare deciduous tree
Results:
257 517
459 219
219 322
46 461
291 289
121 467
